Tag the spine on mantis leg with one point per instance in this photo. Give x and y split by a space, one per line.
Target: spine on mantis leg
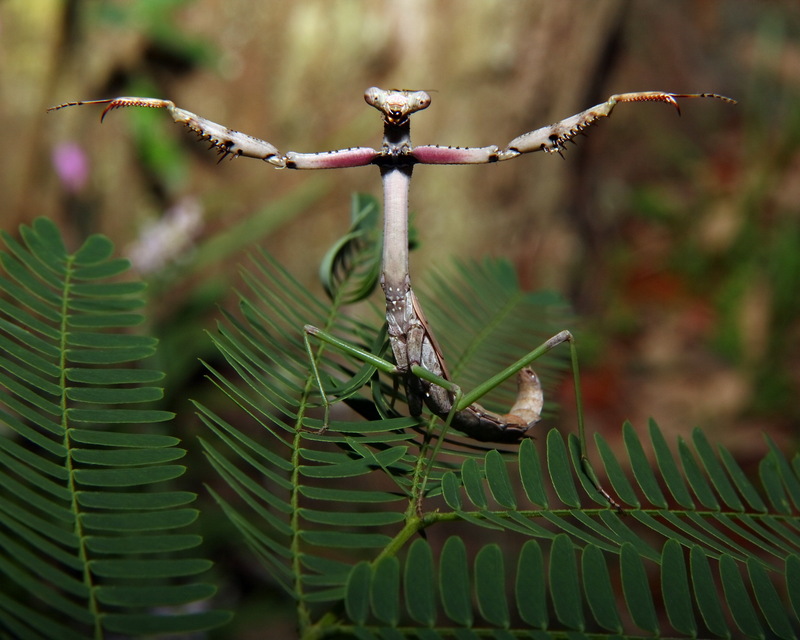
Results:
227 142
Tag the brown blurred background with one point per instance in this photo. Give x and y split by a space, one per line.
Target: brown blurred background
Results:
677 240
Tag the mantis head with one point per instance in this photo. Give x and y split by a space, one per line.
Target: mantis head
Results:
395 104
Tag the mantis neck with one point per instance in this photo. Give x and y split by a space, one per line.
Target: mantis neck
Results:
394 279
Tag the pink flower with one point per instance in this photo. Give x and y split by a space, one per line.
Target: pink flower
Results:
71 165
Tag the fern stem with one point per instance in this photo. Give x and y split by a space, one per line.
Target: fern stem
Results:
413 525
63 364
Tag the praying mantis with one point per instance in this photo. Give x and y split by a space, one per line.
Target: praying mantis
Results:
418 357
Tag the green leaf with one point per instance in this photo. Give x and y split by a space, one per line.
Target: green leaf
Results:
418 583
530 472
145 624
346 518
741 481
109 340
768 600
696 479
599 590
624 533
140 520
637 590
352 468
45 238
114 395
347 272
473 483
454 582
302 498
126 457
152 500
385 590
128 477
788 476
565 525
110 320
343 540
118 439
451 490
35 290
560 470
27 623
357 593
675 589
149 569
97 249
154 596
737 599
705 593
619 481
641 467
347 495
118 355
490 586
771 480
564 586
107 269
793 582
119 416
136 544
113 376
499 482
82 306
530 586
25 319
715 471
669 470
35 260
108 290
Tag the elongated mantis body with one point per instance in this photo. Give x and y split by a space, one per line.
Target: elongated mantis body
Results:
418 357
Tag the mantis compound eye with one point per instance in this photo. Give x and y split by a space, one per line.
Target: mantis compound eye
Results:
421 101
373 95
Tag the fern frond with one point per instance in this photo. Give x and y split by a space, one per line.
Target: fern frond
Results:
336 515
559 589
88 539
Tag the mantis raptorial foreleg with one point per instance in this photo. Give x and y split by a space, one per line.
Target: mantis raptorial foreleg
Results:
418 358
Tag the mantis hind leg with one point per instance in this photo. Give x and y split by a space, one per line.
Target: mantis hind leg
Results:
465 403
